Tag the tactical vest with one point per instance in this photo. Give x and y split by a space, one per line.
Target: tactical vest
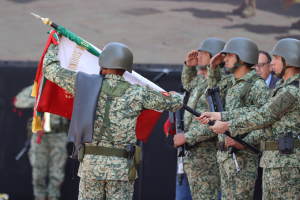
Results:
290 98
111 92
250 80
198 95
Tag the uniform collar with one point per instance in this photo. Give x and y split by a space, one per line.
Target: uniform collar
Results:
244 78
114 77
291 79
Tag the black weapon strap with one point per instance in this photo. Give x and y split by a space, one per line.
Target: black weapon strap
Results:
111 92
198 95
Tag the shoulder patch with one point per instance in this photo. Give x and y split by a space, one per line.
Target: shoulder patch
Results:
167 94
159 93
65 73
282 103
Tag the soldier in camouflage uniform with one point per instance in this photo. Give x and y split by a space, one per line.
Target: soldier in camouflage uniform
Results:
241 54
49 156
101 174
200 164
278 117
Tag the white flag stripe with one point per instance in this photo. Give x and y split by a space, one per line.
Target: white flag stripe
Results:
74 58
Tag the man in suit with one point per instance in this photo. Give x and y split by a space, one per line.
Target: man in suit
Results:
264 69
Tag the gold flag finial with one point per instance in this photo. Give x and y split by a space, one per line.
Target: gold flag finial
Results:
46 21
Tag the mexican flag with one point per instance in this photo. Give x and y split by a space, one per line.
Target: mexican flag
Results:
77 54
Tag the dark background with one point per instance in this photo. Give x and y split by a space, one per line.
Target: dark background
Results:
157 173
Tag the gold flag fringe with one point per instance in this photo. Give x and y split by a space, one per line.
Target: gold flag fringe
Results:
34 89
36 124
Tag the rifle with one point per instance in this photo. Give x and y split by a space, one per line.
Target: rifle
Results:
215 105
179 125
239 140
26 146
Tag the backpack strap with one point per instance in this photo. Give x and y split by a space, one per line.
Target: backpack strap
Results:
249 82
198 95
111 91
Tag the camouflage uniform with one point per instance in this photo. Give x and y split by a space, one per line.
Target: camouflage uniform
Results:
49 157
200 164
238 185
99 172
281 176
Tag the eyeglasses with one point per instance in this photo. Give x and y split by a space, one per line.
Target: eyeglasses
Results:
260 65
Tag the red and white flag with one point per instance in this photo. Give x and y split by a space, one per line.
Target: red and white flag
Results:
78 55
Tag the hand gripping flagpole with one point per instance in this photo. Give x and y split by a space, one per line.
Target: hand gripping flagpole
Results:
46 21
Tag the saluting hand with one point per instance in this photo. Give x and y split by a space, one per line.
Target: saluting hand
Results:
191 59
216 60
179 139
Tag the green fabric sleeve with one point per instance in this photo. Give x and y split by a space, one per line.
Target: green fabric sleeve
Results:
71 36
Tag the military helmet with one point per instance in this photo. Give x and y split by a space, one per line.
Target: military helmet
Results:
289 49
212 46
244 48
116 56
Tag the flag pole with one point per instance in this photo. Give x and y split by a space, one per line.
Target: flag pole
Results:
46 21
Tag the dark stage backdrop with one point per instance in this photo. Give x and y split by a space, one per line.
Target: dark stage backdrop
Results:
157 172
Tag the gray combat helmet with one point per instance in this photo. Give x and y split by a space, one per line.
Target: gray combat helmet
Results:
116 56
245 49
212 46
289 49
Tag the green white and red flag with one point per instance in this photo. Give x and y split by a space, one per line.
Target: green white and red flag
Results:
77 54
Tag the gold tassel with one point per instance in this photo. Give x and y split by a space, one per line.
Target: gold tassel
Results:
36 124
34 89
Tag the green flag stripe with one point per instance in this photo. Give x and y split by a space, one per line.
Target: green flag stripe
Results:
71 36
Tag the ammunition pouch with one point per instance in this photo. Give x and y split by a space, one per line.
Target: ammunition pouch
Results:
285 145
134 154
104 151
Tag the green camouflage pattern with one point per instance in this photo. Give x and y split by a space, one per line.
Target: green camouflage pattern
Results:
238 185
98 189
265 118
204 179
200 164
48 159
231 94
123 115
50 156
281 183
230 90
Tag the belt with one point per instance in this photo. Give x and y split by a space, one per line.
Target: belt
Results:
105 151
221 146
272 146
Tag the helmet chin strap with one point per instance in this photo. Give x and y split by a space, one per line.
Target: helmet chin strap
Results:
284 68
236 65
202 68
102 68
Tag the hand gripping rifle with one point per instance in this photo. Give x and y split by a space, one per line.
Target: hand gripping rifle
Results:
227 133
